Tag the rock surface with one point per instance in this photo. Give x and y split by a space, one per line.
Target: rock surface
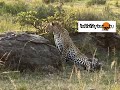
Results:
104 40
28 52
102 45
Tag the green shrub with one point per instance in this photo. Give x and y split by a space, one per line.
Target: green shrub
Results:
52 1
41 13
93 2
27 17
2 4
68 17
68 0
49 1
72 16
36 18
46 1
44 11
117 4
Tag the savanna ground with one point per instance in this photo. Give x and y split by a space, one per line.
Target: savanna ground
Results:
28 15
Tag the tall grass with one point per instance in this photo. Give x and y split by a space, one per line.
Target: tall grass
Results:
12 8
81 80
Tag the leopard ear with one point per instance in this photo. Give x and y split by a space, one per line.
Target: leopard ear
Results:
55 23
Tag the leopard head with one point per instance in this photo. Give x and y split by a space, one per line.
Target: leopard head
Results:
53 27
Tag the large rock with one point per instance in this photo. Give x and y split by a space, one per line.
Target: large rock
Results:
27 51
103 40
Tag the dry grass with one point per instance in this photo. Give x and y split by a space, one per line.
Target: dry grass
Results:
8 24
81 80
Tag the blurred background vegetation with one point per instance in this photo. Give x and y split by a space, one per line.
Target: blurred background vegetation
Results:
30 15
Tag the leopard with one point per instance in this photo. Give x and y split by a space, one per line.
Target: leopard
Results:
69 50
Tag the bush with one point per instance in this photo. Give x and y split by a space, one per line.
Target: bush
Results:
68 0
36 18
29 18
72 16
46 1
68 17
49 1
117 4
41 13
44 11
93 2
52 1
2 4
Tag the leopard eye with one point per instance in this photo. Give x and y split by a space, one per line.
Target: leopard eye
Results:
53 24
